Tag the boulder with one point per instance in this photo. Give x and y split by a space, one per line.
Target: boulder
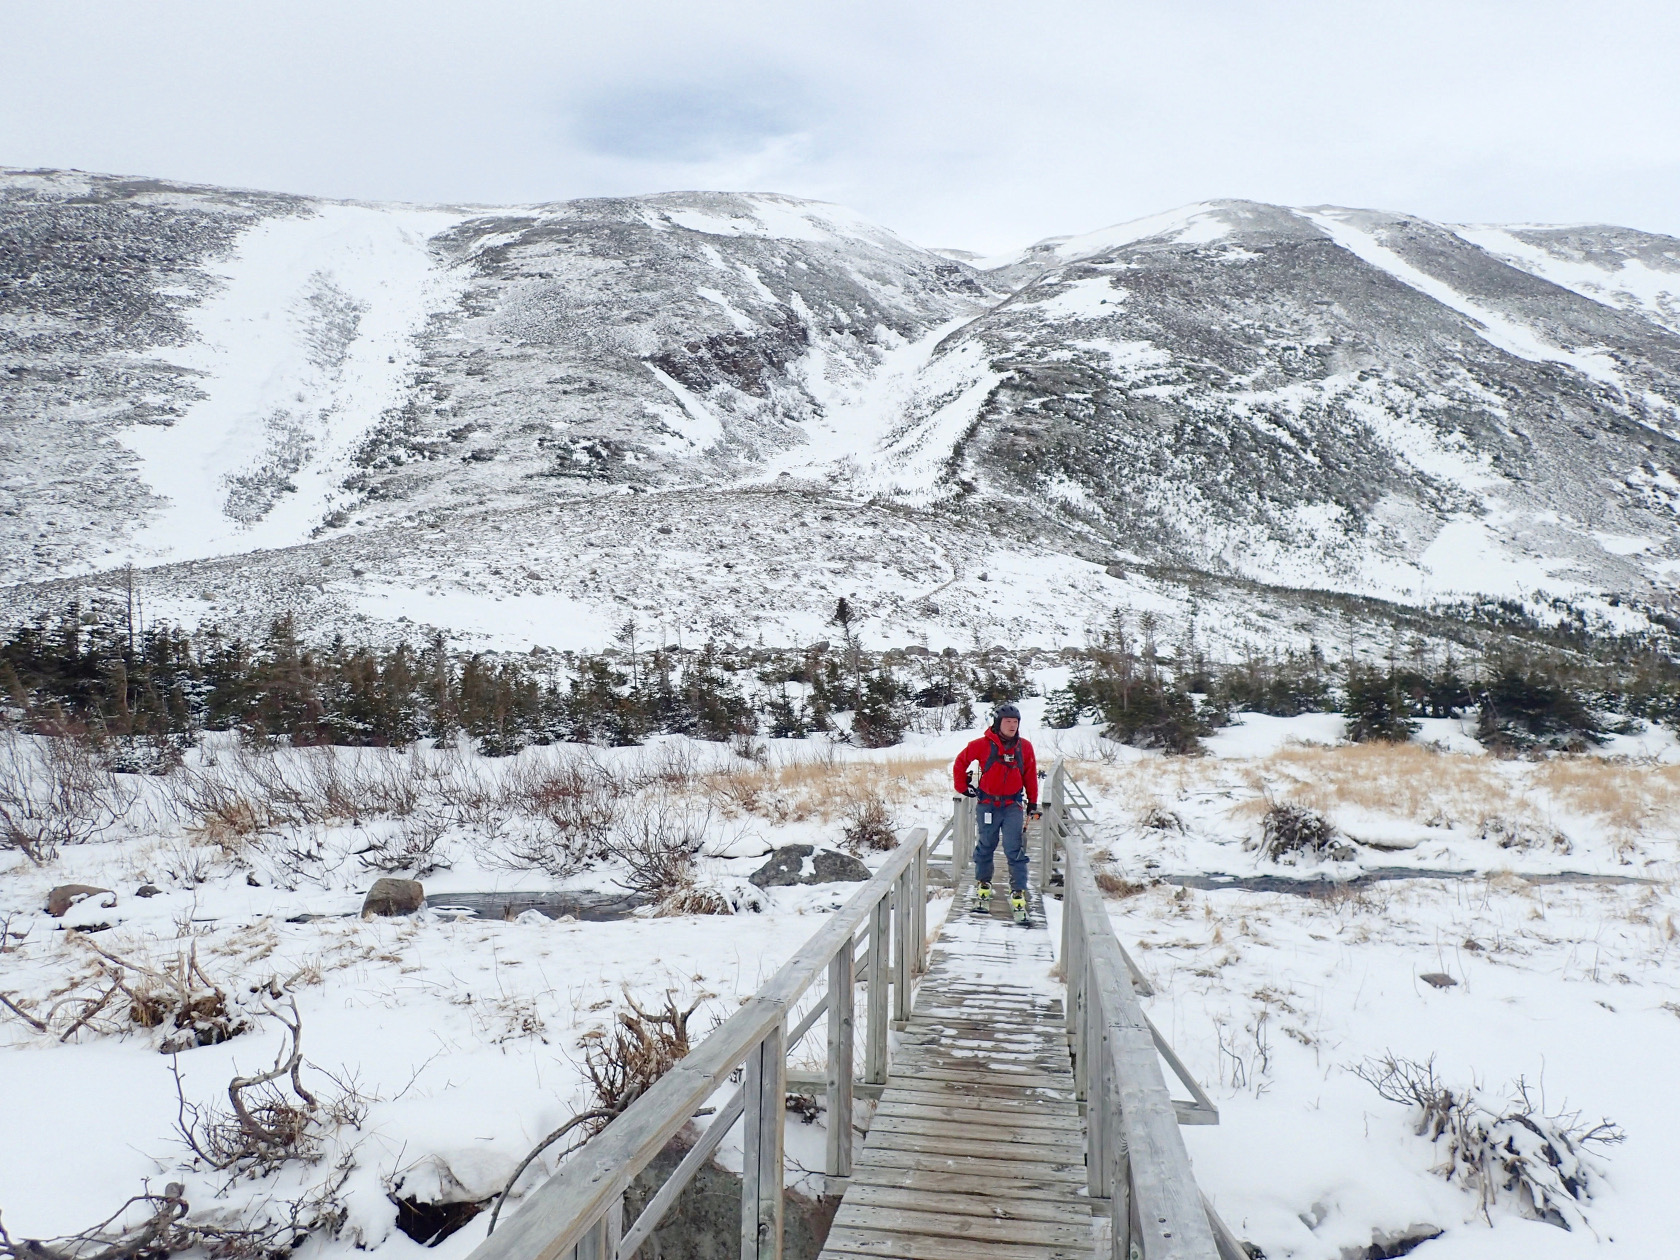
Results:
148 890
830 866
1440 979
390 896
1388 1244
788 866
60 899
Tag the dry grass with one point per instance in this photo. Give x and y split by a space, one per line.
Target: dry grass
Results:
1628 798
1514 803
1401 780
823 788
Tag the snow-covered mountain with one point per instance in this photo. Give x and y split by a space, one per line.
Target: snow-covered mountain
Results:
717 412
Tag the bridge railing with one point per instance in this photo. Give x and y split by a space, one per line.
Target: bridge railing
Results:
1135 1156
578 1214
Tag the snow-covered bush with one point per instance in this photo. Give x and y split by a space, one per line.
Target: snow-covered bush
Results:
1290 834
1510 1150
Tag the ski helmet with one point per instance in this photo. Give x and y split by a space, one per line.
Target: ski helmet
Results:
1004 711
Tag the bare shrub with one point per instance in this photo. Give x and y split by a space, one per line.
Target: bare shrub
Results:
241 791
54 791
641 1047
621 1065
693 898
659 842
750 748
1156 818
417 846
578 801
1293 833
1512 833
674 764
1113 884
475 796
150 1226
700 896
274 1119
1512 1149
869 826
183 998
185 860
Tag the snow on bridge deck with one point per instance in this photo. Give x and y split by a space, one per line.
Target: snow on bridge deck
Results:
977 1147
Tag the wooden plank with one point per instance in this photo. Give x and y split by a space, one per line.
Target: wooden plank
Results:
985 1148
1032 1027
1059 1190
987 1093
949 1225
1037 1078
1023 1117
977 1036
997 1206
971 1165
962 1132
992 1060
867 1242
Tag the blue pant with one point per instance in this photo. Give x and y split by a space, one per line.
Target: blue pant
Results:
1005 823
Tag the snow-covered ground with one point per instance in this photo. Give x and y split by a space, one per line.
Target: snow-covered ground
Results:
463 1034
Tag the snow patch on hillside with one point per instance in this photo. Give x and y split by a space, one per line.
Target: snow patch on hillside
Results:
1630 285
1498 330
310 339
1199 223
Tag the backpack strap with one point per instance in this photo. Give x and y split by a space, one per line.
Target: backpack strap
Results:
994 754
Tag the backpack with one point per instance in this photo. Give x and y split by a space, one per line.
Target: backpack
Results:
995 754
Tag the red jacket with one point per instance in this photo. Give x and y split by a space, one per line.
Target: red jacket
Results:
1006 769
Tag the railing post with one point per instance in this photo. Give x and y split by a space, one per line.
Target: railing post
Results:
761 1138
601 1242
1097 1093
875 1026
962 841
1120 1199
918 902
903 917
841 1007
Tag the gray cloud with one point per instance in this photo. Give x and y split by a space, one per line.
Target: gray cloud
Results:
977 123
690 122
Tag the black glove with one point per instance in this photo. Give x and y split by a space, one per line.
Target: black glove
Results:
971 790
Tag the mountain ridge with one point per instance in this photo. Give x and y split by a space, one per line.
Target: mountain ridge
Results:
1345 400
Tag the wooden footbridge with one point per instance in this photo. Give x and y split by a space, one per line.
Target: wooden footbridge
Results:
1011 1095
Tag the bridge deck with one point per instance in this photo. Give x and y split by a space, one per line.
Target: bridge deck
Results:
977 1146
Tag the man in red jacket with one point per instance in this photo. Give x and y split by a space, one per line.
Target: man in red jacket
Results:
1008 774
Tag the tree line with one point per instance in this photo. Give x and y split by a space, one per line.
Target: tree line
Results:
155 691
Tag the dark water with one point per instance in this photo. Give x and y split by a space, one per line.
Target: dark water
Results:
1325 886
595 907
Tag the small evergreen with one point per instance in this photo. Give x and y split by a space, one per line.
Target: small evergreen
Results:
879 721
1377 708
1523 708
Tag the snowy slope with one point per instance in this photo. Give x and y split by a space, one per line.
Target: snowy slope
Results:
347 410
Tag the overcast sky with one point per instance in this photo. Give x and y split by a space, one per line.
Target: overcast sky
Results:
980 125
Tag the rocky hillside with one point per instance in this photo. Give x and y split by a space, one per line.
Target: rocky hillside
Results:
718 412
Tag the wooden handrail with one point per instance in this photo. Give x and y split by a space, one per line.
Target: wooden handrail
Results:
581 1206
1135 1153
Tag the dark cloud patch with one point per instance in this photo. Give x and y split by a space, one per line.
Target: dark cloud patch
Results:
690 122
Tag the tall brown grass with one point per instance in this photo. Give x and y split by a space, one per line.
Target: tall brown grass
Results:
823 788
